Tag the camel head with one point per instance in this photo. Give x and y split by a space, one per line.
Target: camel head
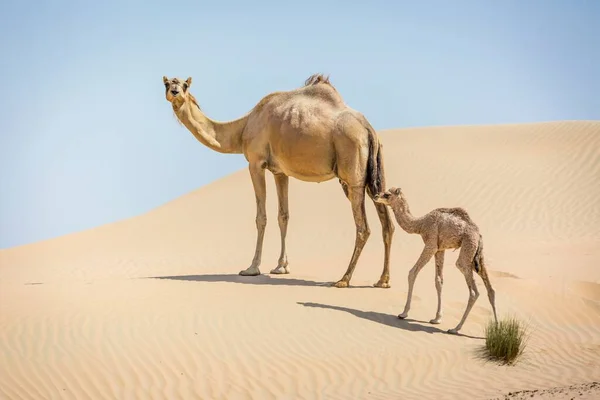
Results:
389 196
176 89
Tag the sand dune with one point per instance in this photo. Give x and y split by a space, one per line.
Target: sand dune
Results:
152 306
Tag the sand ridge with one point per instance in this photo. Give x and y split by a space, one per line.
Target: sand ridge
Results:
152 306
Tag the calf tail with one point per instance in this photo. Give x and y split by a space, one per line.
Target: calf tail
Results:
478 260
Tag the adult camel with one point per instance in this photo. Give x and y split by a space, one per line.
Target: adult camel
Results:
308 133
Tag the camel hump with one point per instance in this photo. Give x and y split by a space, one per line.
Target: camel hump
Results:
458 212
316 79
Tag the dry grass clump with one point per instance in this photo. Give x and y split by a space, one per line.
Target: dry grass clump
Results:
506 340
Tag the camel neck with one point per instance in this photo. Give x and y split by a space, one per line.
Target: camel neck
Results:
404 217
224 137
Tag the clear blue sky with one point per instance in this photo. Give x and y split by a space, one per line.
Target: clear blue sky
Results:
87 138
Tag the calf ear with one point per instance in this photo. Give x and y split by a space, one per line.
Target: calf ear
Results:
165 80
188 82
396 191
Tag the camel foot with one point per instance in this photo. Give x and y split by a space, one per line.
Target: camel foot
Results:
280 270
435 321
453 331
341 284
403 315
384 285
251 271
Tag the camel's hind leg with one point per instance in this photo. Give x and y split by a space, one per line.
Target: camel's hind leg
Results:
465 265
428 252
281 182
356 195
439 282
344 188
387 228
488 285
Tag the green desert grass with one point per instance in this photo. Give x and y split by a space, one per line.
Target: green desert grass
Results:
506 340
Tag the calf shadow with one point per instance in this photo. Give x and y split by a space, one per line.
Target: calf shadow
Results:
251 280
388 319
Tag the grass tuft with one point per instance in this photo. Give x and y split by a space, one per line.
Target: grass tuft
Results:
506 340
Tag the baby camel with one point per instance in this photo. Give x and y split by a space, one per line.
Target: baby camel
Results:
442 229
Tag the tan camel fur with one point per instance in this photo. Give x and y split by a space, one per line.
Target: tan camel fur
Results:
442 229
308 133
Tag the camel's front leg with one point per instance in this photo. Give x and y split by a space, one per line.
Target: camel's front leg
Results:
439 282
281 182
426 254
257 173
356 195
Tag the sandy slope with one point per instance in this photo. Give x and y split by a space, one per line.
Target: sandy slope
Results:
81 316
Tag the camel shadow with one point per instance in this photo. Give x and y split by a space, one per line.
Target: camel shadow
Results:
388 319
251 280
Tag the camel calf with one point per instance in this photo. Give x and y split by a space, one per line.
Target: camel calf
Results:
442 229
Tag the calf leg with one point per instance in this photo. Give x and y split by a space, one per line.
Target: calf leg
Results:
465 265
428 252
439 282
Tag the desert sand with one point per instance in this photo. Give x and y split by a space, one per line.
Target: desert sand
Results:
152 307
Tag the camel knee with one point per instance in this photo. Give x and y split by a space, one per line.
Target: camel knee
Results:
362 234
439 282
261 221
387 223
283 217
388 232
473 295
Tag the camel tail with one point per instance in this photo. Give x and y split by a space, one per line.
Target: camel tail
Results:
375 173
478 261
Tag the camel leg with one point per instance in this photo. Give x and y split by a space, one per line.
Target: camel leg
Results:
465 265
490 290
344 188
473 295
257 173
387 228
356 194
426 254
439 282
281 182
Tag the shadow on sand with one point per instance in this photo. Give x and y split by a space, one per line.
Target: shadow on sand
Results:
388 319
252 280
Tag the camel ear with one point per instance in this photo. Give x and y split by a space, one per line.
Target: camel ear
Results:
396 191
188 82
165 80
